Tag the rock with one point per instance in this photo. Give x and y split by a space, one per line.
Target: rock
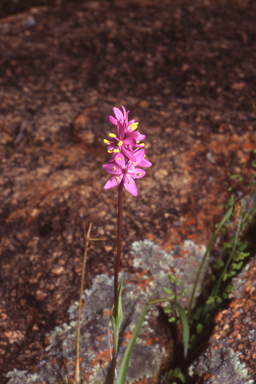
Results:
230 356
151 267
62 72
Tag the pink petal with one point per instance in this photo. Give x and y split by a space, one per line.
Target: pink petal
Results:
118 114
130 185
131 121
113 183
137 173
112 120
120 160
139 156
109 168
135 135
113 156
129 141
145 163
128 154
125 113
111 147
120 130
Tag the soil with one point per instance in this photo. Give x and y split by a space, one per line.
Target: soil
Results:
186 70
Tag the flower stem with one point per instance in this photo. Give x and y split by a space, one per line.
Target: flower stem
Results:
116 296
119 246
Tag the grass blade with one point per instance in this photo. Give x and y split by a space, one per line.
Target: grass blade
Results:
184 322
121 378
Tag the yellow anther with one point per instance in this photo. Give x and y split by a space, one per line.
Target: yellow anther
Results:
138 141
117 178
145 155
143 145
114 168
119 158
120 143
139 174
116 150
133 163
112 135
106 141
109 151
129 182
134 126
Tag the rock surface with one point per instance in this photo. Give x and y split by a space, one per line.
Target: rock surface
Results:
187 73
230 357
151 274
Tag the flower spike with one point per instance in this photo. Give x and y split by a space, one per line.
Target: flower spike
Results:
126 151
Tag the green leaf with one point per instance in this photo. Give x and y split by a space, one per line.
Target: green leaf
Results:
208 319
169 374
197 314
233 176
219 299
193 339
210 300
177 373
242 245
236 265
227 245
229 288
121 378
117 321
168 291
172 319
231 200
172 279
184 322
241 256
199 328
219 264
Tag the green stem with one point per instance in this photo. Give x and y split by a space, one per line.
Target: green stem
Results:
225 218
217 285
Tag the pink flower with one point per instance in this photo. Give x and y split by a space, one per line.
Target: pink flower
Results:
126 138
120 143
121 117
126 171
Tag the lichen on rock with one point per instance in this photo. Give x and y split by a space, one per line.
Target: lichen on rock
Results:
153 267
